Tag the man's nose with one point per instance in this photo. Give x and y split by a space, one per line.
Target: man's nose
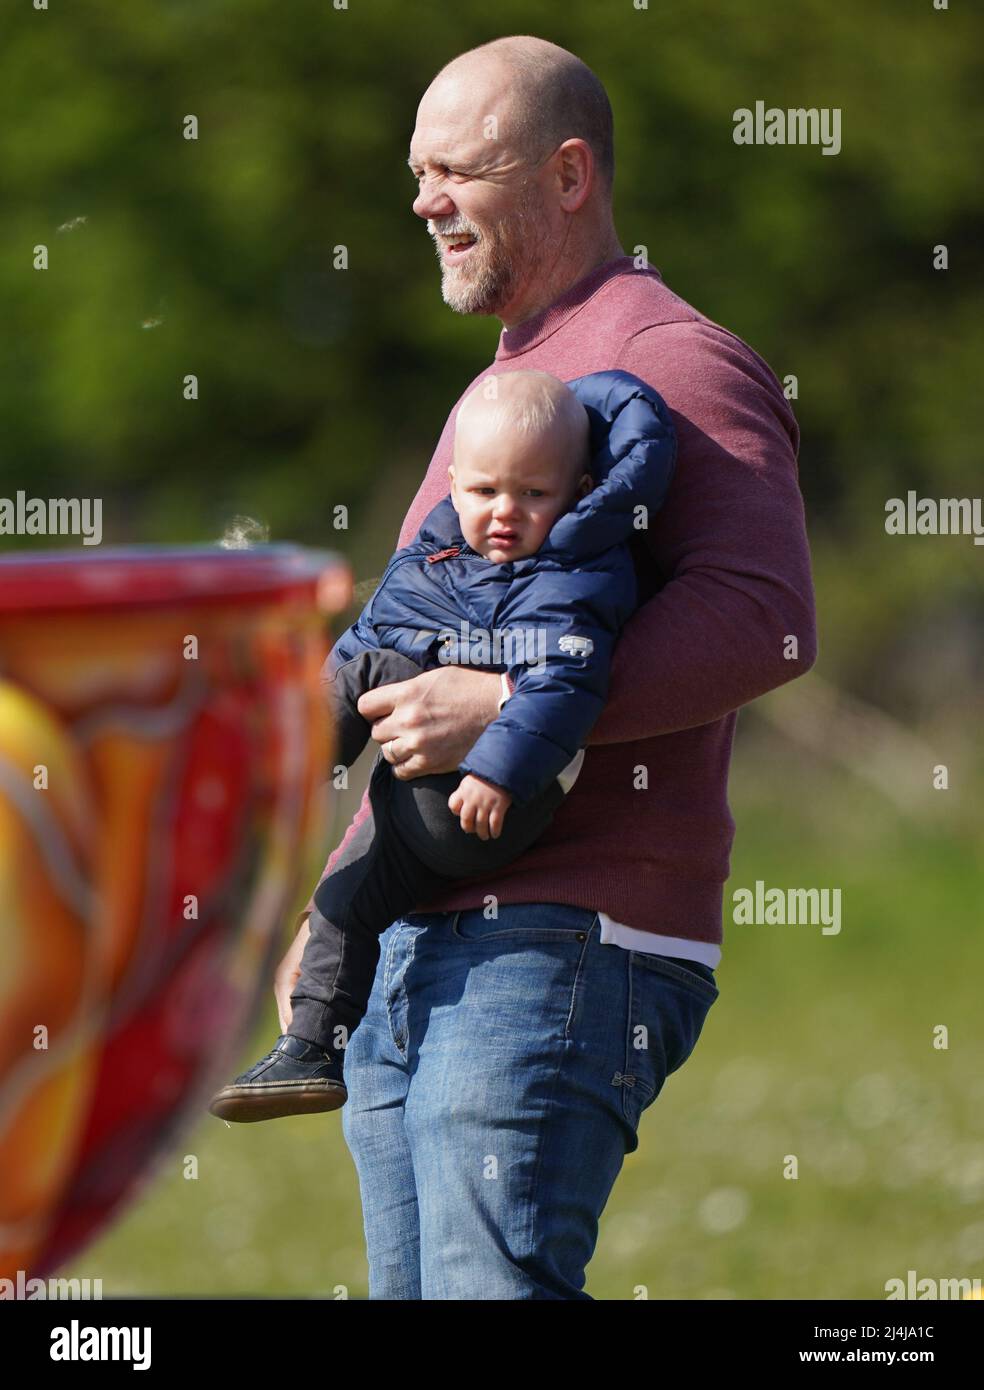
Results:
431 202
504 507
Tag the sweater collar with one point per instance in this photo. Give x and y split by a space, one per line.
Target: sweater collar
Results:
531 332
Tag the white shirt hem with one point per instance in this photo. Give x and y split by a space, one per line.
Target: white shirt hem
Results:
630 939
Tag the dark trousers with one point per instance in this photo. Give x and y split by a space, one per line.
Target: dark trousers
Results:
405 853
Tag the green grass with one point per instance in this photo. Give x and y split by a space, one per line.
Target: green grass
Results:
819 1047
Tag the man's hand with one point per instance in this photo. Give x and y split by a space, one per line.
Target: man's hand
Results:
480 806
427 725
288 973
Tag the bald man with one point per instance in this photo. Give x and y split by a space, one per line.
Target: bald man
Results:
520 1024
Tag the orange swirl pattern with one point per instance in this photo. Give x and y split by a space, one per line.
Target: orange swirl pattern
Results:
162 750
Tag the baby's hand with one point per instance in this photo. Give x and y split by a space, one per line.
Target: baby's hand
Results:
481 806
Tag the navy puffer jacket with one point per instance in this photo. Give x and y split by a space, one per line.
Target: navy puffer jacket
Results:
551 620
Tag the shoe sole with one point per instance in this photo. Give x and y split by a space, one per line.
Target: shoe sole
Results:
247 1104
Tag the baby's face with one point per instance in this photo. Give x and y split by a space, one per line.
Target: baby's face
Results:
509 489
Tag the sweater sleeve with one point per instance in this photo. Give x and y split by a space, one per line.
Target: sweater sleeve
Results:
730 542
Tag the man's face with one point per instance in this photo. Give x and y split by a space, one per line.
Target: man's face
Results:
480 193
509 488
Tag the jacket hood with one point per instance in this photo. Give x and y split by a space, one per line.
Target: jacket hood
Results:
633 447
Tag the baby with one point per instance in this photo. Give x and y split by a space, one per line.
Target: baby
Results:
548 484
521 461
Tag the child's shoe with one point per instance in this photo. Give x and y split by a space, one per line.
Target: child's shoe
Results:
296 1078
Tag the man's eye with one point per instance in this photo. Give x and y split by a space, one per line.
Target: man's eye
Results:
441 169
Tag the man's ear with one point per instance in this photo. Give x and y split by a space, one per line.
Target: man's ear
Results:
452 484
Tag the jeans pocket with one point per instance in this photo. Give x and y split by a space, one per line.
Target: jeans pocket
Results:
690 972
525 922
667 1006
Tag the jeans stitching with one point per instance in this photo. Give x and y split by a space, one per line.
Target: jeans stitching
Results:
529 933
404 1050
619 1079
387 982
629 1079
567 1045
534 1206
578 975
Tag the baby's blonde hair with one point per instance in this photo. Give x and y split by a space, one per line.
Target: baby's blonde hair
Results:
531 403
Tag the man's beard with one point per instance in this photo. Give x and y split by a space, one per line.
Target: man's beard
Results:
504 259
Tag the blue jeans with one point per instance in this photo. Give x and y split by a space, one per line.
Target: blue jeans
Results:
495 1085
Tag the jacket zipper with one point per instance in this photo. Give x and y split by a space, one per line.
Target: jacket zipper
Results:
405 559
443 554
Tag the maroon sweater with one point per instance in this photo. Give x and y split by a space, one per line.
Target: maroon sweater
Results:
645 834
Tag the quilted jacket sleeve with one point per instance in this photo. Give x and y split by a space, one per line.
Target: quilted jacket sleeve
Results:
559 696
353 641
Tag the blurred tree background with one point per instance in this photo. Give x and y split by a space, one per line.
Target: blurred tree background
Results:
321 386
